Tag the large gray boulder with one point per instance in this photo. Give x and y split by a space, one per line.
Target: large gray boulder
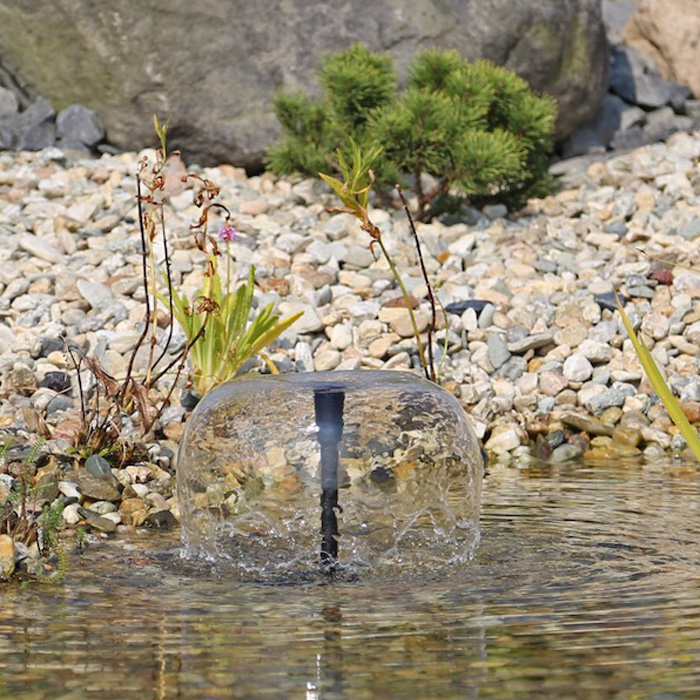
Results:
212 65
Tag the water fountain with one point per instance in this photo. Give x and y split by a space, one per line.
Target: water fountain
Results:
332 470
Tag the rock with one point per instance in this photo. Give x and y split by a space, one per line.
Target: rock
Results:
57 381
577 368
162 520
608 397
98 466
627 436
41 249
327 360
558 47
98 522
341 336
597 134
503 440
95 293
9 104
587 424
134 511
459 307
552 383
309 322
69 490
78 125
634 80
565 453
7 557
399 321
71 514
20 379
498 350
532 342
97 488
595 351
666 31
189 399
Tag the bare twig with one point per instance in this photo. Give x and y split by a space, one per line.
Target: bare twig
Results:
433 309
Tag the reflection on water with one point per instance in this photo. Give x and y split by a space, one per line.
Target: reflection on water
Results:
586 584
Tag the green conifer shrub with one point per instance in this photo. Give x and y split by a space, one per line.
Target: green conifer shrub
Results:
476 128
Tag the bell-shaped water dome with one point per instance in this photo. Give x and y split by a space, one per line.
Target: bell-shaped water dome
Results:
329 469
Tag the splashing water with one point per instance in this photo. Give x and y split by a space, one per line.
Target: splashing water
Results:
408 474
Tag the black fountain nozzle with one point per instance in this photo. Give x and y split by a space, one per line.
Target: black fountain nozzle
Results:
328 405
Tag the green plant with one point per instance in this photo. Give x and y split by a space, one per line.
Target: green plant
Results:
477 128
675 411
219 336
218 319
17 514
353 191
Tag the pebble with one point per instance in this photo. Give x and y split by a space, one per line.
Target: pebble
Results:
577 368
534 334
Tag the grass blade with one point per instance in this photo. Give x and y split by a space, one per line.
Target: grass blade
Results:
660 386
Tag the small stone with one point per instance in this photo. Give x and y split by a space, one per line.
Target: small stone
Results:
595 351
21 380
587 424
253 207
134 511
341 336
327 360
309 322
7 557
532 342
76 124
691 410
98 522
503 441
41 249
497 350
69 490
551 383
459 307
162 520
95 293
607 300
59 382
399 320
577 368
565 453
174 430
608 397
99 489
626 436
71 514
98 466
189 399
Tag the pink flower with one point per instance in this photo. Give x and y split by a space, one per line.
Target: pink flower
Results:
227 233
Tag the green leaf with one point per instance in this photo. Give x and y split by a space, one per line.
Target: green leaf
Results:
660 386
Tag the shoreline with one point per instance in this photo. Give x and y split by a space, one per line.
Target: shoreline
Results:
536 355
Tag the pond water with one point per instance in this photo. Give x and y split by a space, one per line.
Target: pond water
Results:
586 584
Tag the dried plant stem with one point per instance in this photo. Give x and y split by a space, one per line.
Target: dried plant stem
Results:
431 297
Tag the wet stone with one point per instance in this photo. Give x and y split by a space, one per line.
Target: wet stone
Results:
588 424
99 489
98 466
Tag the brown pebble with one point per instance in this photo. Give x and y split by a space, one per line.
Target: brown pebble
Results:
400 302
691 410
626 436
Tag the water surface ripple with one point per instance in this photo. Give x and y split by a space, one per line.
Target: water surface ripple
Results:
586 585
